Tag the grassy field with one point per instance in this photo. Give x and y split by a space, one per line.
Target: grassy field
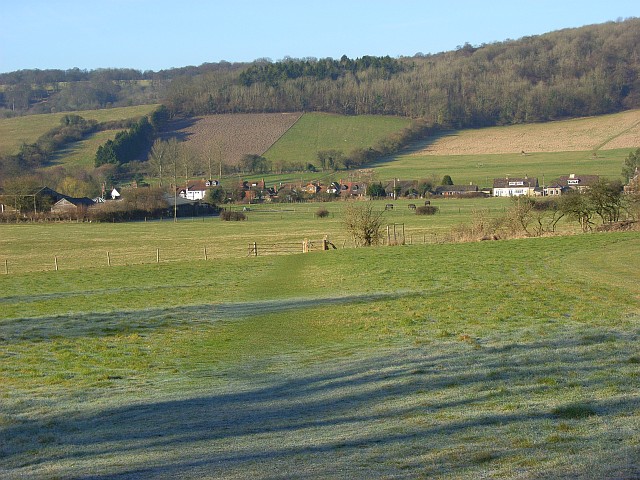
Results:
27 129
82 154
322 131
276 228
587 146
482 169
500 359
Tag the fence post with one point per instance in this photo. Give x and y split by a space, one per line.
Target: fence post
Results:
205 253
55 262
108 259
6 267
157 255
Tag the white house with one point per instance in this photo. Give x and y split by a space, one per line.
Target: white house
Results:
514 187
197 190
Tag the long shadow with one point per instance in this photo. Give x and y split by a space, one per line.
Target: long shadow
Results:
177 129
101 324
324 420
412 148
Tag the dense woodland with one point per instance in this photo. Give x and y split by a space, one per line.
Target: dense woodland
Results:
575 72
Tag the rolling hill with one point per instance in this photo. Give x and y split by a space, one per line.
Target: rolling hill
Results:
593 145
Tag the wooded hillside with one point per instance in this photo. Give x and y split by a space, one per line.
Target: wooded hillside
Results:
568 73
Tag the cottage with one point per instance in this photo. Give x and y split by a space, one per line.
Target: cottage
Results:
352 189
514 187
577 182
553 190
197 190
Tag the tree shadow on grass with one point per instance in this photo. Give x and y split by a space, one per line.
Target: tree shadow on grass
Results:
400 412
414 148
104 324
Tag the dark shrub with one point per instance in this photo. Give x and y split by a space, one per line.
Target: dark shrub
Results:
228 216
322 213
426 210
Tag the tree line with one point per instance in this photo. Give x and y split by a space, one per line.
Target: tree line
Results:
55 90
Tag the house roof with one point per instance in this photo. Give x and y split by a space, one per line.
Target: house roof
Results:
82 201
201 185
578 180
515 182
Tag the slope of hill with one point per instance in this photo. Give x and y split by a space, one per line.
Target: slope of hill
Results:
594 145
584 71
27 129
605 132
230 136
319 131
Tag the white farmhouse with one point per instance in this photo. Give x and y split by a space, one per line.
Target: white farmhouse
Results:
514 187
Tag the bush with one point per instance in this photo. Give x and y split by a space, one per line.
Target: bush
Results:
229 216
322 213
426 210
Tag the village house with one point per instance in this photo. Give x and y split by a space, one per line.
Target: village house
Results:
552 190
577 182
197 189
514 187
352 189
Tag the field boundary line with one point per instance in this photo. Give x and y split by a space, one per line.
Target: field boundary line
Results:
285 132
610 139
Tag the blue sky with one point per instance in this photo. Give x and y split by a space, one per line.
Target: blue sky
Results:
160 34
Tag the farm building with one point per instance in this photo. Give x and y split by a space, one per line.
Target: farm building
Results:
72 205
455 190
514 187
6 208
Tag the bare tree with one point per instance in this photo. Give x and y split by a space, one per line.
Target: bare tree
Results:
162 156
363 223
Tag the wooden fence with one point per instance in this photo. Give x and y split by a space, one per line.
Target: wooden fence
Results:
124 256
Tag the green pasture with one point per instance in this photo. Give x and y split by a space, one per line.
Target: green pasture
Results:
82 154
482 169
323 131
494 359
27 129
276 228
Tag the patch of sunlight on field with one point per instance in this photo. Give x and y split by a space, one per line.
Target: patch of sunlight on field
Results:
620 130
82 154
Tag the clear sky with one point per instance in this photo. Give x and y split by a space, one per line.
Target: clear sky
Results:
160 34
